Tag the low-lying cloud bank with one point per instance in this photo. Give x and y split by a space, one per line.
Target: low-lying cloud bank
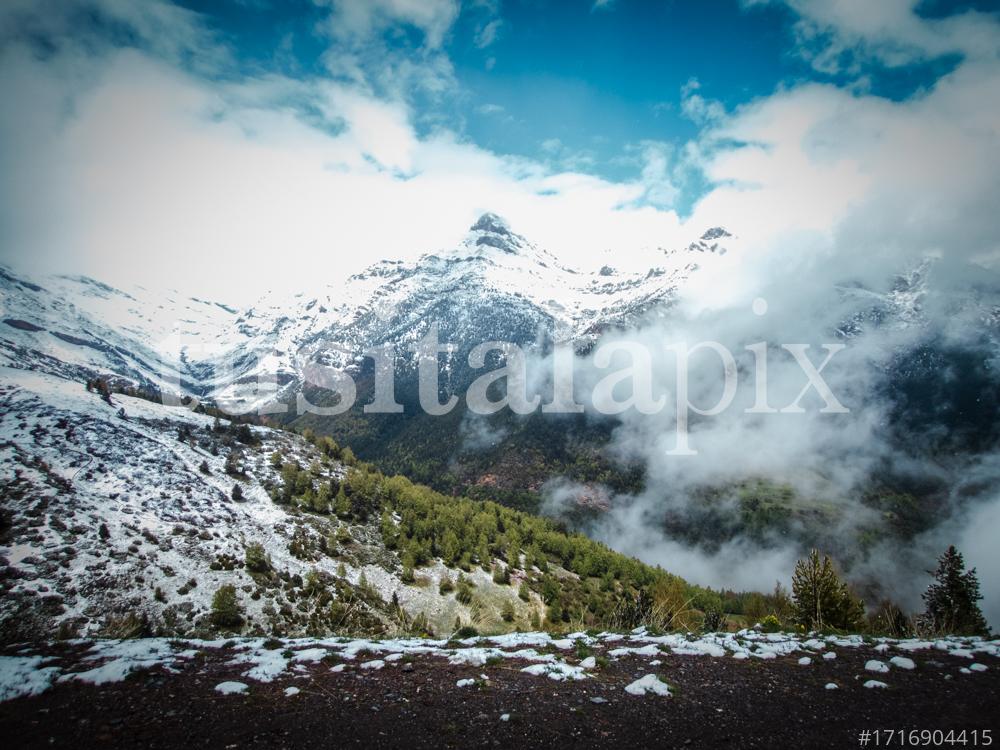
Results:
864 222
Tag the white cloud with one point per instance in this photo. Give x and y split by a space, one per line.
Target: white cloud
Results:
488 33
837 34
697 108
159 172
165 30
659 189
160 177
360 19
490 109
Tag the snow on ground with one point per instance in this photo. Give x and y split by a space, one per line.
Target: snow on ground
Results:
557 671
264 661
232 688
24 675
123 522
874 665
903 662
648 684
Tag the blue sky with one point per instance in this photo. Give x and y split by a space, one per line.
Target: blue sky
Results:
578 84
208 133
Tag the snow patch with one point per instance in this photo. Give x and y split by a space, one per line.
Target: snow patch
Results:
231 688
648 684
24 675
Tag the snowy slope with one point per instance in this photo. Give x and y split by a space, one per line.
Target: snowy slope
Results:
76 327
108 519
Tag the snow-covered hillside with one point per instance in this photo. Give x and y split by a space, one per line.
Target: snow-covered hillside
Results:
121 521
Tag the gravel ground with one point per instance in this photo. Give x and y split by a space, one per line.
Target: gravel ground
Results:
415 703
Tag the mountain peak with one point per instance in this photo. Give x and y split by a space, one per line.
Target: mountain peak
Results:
492 230
715 233
490 222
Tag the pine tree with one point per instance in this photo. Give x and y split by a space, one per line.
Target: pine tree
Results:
483 553
342 505
256 558
820 598
226 608
513 552
537 558
451 548
951 600
555 612
321 502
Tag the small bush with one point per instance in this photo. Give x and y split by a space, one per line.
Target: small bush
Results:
770 624
464 591
226 611
256 559
714 620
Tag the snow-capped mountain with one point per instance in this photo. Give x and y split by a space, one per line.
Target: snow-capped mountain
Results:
75 326
495 285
